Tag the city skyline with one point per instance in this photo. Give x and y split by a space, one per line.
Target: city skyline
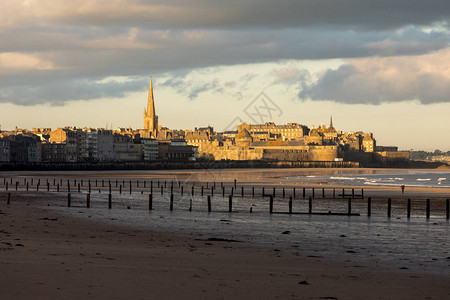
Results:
71 64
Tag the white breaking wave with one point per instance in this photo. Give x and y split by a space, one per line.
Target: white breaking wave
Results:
423 179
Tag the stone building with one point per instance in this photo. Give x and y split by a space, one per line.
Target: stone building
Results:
5 153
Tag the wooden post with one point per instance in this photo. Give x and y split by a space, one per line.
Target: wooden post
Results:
274 192
323 193
37 188
253 191
171 201
290 204
369 206
57 187
349 212
209 203
130 187
165 183
192 190
48 186
182 190
110 188
120 189
162 189
17 185
212 191
79 188
310 205
447 209
232 191
68 186
343 193
202 190
230 203
408 208
242 191
271 204
262 194
88 200
95 182
171 188
293 192
9 197
304 192
313 192
284 193
235 183
158 183
150 201
190 204
353 193
389 207
27 186
362 193
428 208
334 193
109 201
69 199
6 186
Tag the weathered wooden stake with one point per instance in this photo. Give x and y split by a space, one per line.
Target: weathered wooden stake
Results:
362 193
69 199
89 187
162 189
109 201
88 200
273 192
349 211
48 186
202 190
17 185
192 190
293 192
428 208
190 204
209 203
369 206
253 191
310 205
343 193
323 193
334 193
120 189
313 192
182 190
353 193
242 191
110 188
230 203
27 186
262 192
389 207
57 187
171 202
284 193
79 188
304 192
235 183
8 201
130 187
232 191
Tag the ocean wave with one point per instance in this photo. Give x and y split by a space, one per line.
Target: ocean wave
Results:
347 178
442 179
423 179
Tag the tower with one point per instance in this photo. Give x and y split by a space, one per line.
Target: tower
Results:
331 122
150 118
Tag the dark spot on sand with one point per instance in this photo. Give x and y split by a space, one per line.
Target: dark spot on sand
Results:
286 232
403 268
304 282
342 235
19 245
351 251
224 220
331 298
214 239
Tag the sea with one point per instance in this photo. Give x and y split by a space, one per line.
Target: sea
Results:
408 178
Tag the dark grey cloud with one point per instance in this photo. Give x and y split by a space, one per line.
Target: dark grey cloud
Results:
138 38
377 81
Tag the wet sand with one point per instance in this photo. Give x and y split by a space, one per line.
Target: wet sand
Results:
49 255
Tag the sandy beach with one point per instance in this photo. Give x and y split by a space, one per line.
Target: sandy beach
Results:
50 253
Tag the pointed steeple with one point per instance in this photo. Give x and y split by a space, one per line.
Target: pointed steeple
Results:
331 122
150 117
151 102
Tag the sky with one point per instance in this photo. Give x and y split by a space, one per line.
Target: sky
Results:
376 66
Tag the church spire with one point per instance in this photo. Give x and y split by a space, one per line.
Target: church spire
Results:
151 102
331 121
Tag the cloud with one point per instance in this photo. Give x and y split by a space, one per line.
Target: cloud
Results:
83 41
377 80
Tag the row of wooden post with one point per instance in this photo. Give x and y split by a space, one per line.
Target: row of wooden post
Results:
230 204
159 185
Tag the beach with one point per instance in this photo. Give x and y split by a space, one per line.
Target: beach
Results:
53 251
